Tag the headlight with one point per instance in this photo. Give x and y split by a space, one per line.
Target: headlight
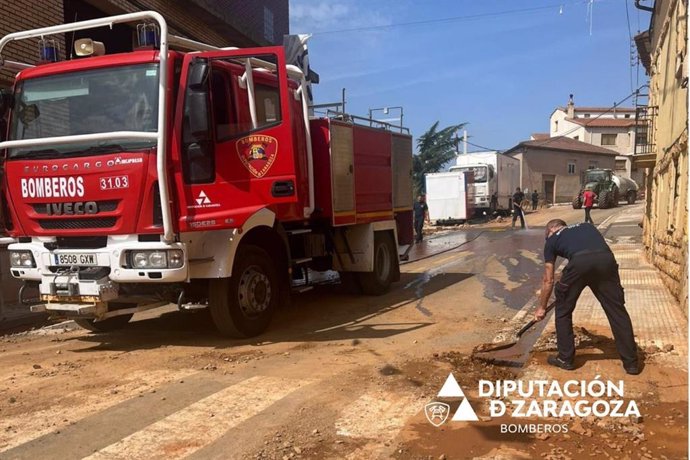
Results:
173 258
22 259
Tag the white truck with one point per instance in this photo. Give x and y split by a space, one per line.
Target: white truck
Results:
449 197
495 178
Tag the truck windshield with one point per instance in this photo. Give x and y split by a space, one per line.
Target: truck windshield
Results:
596 176
94 101
478 171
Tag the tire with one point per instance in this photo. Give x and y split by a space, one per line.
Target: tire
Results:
604 199
107 325
631 197
242 306
386 267
616 197
577 202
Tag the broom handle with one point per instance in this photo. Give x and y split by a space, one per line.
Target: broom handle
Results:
529 325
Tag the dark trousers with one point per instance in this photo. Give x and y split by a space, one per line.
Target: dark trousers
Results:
588 217
534 206
517 212
418 226
599 271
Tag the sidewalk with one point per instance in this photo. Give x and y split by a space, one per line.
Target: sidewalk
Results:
660 391
657 320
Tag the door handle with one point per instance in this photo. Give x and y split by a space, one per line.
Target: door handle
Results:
283 188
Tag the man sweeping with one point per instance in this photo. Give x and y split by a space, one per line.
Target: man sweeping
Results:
590 263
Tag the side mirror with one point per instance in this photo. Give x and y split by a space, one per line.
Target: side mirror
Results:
197 78
197 114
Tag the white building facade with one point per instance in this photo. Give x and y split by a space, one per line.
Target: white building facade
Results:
611 128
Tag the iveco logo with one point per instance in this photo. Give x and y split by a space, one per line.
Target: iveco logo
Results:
72 209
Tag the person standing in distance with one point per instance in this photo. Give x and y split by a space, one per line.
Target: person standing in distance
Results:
421 215
588 197
590 264
535 200
518 198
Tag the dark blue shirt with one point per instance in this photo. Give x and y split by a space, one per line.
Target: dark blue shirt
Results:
420 210
570 240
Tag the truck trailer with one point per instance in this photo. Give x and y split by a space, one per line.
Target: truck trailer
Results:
495 178
184 173
449 197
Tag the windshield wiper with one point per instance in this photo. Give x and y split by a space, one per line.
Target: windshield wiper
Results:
35 154
104 148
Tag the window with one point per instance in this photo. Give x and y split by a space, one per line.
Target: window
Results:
555 125
621 165
223 118
123 98
267 104
587 115
593 165
627 115
608 139
571 167
268 25
577 138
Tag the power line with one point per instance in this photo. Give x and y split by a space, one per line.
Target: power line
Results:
481 146
451 19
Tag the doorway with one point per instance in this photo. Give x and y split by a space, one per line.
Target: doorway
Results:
548 186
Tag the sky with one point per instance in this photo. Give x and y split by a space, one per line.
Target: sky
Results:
501 66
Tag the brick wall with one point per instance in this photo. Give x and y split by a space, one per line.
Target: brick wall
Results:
219 23
16 15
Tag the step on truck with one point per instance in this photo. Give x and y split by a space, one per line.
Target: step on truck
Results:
189 174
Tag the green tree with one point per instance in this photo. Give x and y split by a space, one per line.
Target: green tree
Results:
434 149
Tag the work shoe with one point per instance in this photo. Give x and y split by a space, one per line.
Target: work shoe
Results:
558 362
632 370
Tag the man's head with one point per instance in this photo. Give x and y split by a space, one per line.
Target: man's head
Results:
553 226
421 198
517 189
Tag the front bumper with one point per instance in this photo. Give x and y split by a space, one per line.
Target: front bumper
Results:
95 283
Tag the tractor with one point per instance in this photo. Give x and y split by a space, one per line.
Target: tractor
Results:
601 182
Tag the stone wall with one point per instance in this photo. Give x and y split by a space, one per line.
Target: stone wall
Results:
666 208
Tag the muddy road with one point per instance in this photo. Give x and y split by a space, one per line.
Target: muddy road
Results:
336 376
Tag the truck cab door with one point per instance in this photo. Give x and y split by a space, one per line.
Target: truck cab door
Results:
234 137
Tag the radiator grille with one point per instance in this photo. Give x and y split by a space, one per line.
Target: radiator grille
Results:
77 224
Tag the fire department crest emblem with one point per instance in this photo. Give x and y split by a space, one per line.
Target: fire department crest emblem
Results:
437 413
257 153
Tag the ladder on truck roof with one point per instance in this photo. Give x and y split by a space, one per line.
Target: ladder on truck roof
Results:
167 41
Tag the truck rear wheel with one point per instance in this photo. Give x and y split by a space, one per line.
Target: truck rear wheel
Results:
242 306
631 197
107 325
605 199
577 202
379 281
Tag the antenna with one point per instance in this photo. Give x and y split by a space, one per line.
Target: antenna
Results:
71 47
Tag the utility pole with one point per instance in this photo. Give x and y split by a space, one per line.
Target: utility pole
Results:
464 141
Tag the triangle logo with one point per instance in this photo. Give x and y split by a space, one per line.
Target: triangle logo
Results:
203 199
451 389
465 413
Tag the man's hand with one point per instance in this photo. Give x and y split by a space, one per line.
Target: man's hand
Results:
540 313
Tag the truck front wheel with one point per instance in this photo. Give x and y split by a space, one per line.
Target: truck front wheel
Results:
379 281
242 306
107 325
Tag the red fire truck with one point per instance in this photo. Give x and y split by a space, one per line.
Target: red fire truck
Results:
185 173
